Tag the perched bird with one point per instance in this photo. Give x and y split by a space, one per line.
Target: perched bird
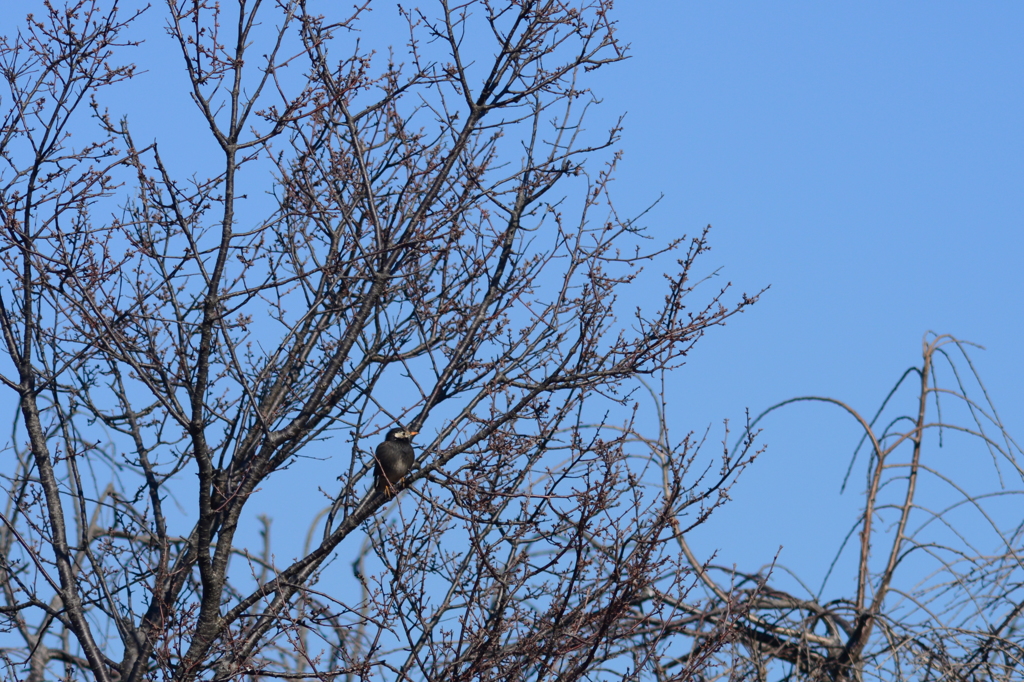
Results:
394 457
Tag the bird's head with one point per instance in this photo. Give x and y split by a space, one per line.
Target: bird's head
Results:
400 434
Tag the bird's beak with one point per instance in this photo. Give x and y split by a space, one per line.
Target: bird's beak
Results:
413 433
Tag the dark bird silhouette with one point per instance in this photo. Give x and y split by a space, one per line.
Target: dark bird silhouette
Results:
394 458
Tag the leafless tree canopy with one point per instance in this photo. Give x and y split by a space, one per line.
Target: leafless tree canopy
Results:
937 553
422 237
415 232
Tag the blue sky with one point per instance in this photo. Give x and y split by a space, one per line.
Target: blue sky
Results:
866 160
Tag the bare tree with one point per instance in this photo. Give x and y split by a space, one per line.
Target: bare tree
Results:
421 240
937 551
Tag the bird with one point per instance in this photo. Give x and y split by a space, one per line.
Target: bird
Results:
394 458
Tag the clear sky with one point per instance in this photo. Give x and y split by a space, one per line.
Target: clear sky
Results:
865 160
